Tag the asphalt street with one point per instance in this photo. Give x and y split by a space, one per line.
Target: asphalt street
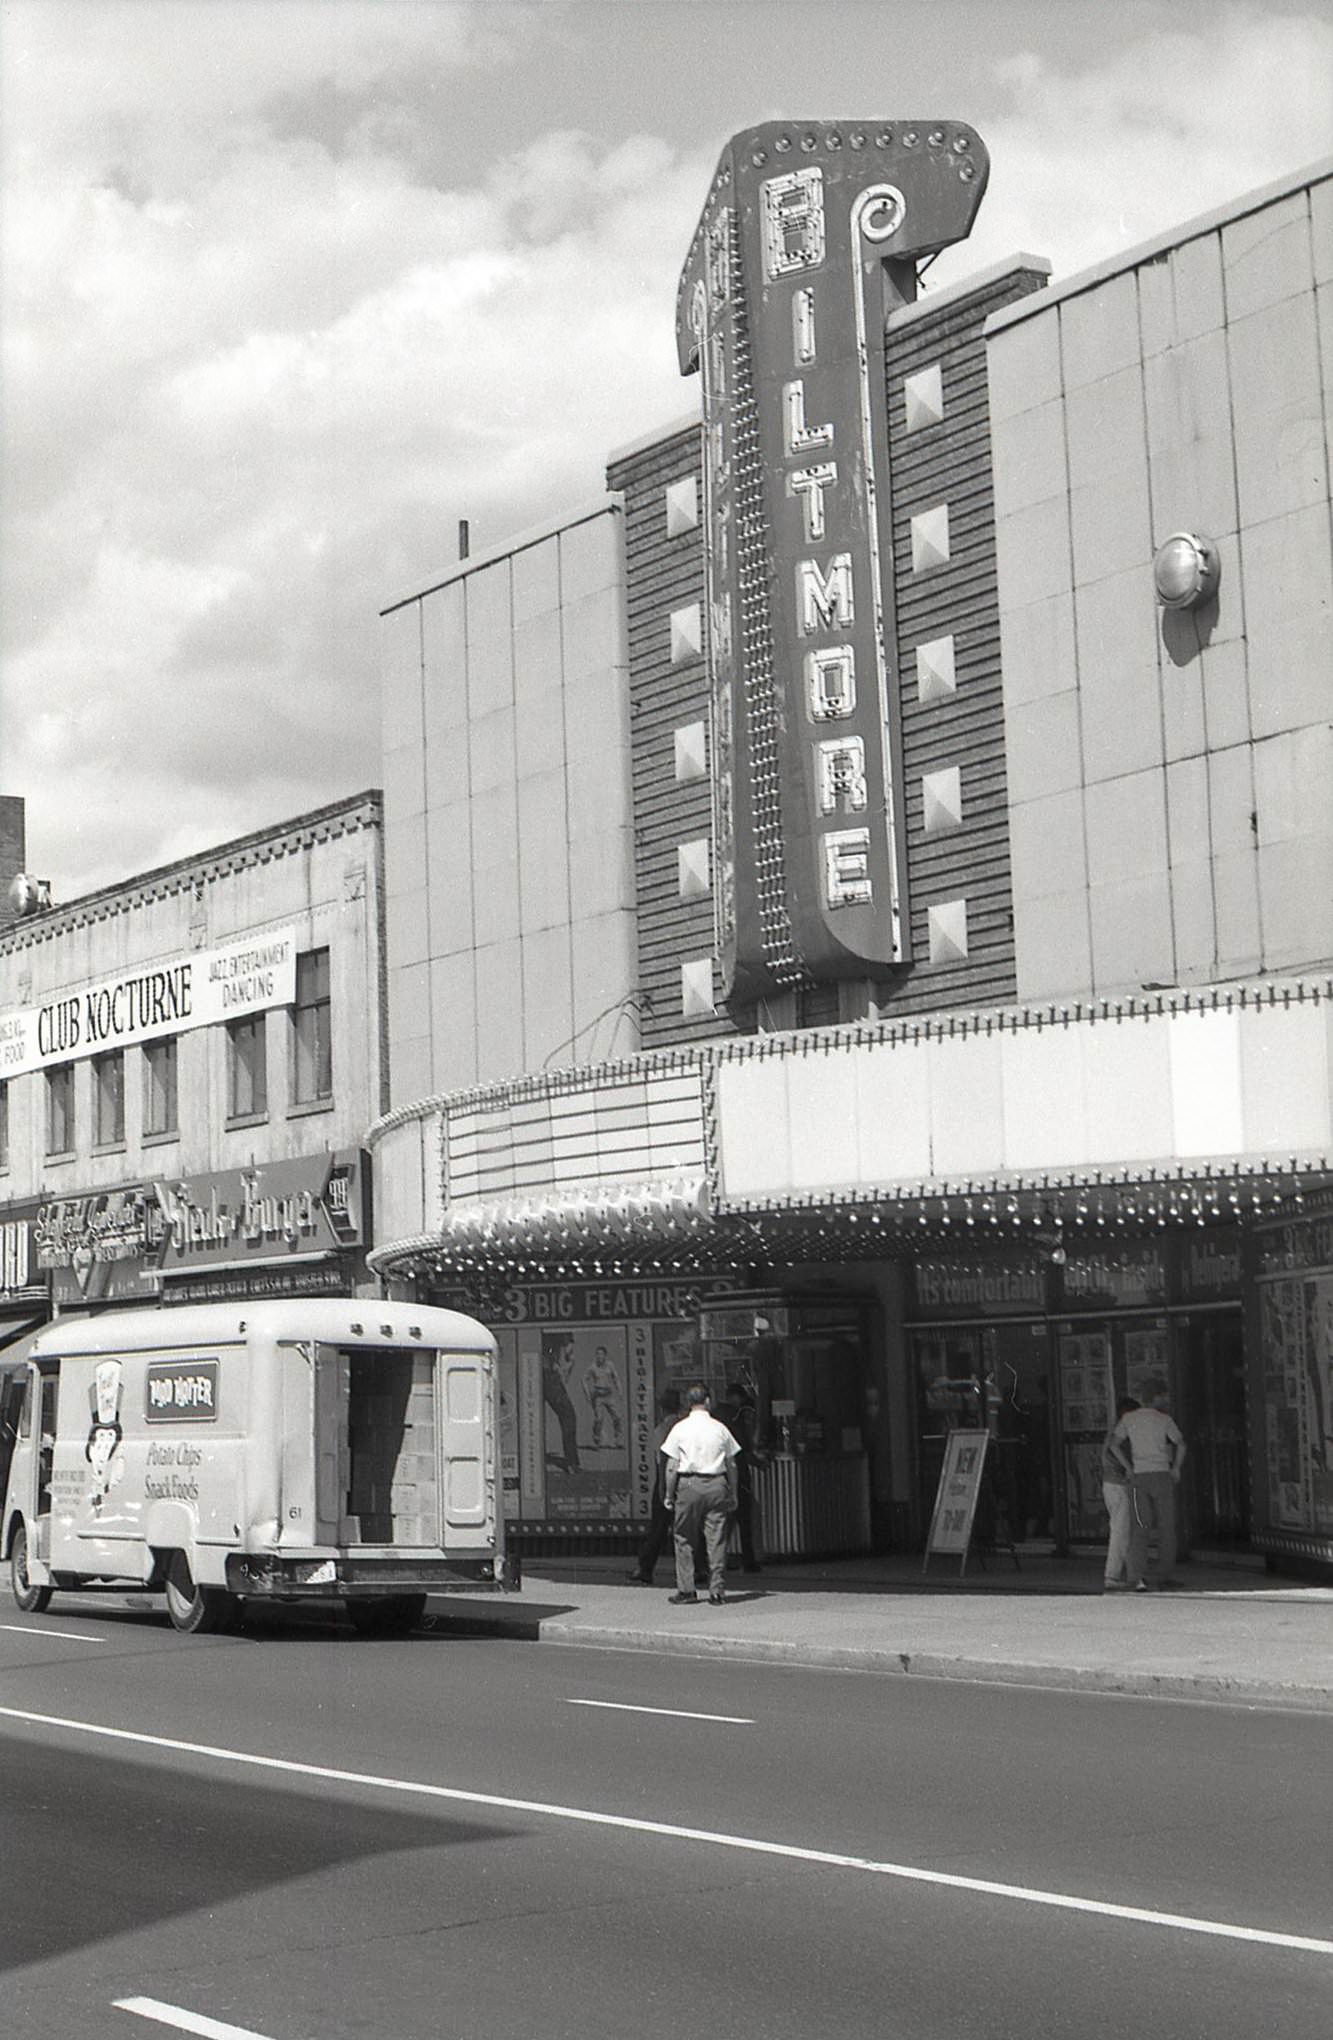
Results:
297 1834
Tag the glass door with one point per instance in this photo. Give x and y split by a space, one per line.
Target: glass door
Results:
1211 1351
994 1378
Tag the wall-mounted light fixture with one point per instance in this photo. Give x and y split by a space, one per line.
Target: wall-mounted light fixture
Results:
1185 569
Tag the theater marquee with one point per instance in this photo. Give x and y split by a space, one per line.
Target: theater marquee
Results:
810 234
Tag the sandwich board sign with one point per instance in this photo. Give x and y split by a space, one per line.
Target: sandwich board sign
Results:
957 1494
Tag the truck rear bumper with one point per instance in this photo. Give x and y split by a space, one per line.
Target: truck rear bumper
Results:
266 1576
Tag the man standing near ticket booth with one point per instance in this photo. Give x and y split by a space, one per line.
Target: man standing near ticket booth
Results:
700 1455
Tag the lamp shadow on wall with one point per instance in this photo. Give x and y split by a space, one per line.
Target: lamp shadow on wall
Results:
1186 632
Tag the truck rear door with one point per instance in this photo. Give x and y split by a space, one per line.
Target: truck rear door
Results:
405 1448
467 1450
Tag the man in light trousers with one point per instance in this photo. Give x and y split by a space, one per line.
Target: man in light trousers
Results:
1151 1450
1119 1507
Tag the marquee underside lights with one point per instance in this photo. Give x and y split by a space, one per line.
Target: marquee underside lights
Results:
1050 1217
809 232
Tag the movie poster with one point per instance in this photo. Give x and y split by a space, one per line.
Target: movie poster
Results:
509 1460
1085 1406
1147 1364
585 1396
1296 1330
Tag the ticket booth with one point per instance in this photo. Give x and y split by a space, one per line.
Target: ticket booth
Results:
804 1361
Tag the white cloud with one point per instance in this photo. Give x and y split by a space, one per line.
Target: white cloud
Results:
1085 165
263 352
247 474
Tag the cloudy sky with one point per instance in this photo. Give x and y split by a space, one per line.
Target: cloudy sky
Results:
288 287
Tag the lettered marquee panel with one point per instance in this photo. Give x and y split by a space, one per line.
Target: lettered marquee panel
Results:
1031 1095
616 1128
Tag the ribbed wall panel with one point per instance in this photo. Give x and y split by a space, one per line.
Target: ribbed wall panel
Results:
950 463
945 463
663 574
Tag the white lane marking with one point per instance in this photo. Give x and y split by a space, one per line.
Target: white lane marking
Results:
675 1713
186 2022
827 1859
61 1635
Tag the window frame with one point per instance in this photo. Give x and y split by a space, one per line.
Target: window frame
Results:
311 1032
166 1048
60 1078
109 1064
247 1027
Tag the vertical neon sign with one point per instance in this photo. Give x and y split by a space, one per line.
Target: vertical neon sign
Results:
810 235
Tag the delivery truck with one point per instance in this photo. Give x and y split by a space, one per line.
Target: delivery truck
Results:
329 1449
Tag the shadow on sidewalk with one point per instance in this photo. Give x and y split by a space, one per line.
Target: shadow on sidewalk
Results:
1037 1572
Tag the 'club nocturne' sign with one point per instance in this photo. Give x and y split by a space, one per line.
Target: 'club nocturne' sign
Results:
147 1001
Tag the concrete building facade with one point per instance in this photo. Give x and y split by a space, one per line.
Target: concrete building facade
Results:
191 1059
983 1066
509 861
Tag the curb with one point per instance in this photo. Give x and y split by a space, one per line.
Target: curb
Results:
1219 1689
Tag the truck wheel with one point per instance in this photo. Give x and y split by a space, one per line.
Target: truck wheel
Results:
28 1599
395 1615
194 1610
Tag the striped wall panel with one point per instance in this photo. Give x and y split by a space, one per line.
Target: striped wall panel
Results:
961 732
665 573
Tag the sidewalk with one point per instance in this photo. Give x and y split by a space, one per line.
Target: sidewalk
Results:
1231 1632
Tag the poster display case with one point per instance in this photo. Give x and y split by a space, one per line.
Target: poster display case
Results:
1292 1380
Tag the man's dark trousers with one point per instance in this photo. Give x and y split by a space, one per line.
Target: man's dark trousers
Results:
659 1530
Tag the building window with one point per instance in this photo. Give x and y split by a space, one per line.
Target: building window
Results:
109 1099
60 1110
312 1041
4 1126
159 1089
247 1067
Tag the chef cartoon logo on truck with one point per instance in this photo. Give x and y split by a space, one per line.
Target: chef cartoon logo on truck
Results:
102 1450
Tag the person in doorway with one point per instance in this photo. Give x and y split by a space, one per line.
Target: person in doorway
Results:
741 1418
659 1521
1150 1448
700 1456
1115 1494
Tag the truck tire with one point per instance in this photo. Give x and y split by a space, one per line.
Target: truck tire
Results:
394 1615
28 1599
194 1610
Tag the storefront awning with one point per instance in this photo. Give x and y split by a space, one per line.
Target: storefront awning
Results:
16 1337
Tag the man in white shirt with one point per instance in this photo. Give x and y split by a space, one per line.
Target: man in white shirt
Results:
1150 1448
700 1455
